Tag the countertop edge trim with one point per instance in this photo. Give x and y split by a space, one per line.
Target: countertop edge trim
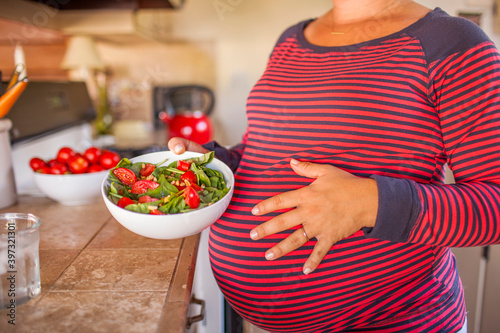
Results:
178 296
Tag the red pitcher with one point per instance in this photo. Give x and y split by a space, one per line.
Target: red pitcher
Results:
186 113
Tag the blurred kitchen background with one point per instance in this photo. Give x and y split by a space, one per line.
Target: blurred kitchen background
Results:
132 53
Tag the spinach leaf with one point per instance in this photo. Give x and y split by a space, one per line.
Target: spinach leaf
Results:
201 177
113 194
119 190
204 159
165 189
212 182
167 170
142 207
175 205
136 167
124 163
216 178
206 196
200 161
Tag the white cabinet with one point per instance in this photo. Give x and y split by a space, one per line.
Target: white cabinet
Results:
479 270
205 288
490 319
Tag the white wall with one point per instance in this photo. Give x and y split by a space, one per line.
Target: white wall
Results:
244 32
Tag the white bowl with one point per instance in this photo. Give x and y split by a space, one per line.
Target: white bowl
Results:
71 189
171 226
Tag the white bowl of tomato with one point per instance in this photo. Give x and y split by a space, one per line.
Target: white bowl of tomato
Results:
167 196
72 177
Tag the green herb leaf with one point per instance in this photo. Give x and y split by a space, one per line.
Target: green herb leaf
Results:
201 177
204 159
200 161
165 189
142 207
213 181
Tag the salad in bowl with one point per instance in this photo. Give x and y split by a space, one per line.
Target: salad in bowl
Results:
162 195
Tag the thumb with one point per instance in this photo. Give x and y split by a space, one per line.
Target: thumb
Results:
307 169
180 145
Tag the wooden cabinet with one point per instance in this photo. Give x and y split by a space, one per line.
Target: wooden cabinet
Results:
43 48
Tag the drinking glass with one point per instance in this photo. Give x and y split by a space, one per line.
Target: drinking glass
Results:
19 260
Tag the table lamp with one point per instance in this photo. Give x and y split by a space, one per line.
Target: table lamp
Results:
82 58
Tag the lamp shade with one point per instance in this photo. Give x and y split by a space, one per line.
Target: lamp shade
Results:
81 53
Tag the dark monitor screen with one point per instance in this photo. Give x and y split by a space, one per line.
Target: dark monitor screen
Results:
45 107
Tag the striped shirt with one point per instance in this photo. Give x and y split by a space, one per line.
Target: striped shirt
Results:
396 109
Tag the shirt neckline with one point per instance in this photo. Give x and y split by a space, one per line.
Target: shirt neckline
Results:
318 48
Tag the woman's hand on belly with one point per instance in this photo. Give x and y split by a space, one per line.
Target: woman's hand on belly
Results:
334 206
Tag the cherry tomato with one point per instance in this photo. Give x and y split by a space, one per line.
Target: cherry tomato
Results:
193 185
126 176
156 212
109 159
92 154
147 169
196 187
45 169
191 197
58 168
142 186
64 154
146 198
95 168
189 177
37 163
124 202
183 165
78 164
52 162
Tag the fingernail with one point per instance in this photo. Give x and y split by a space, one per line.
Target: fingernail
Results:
307 270
269 256
294 161
254 234
255 210
178 148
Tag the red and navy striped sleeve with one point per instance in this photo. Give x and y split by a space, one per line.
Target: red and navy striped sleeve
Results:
464 89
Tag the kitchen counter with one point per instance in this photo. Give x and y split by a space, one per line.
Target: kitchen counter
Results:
97 276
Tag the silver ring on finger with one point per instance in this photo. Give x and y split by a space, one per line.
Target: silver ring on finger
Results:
305 234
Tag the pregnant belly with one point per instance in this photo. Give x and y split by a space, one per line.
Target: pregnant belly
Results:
356 279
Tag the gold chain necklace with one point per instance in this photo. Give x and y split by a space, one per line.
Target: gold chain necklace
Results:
346 31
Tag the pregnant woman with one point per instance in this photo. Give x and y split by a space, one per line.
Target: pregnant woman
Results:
341 220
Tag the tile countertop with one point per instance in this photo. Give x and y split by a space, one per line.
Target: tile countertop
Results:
97 276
